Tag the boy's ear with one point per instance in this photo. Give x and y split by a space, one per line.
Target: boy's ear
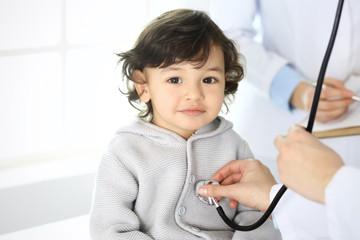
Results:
141 86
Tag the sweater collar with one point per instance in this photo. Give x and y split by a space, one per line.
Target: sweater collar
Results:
158 134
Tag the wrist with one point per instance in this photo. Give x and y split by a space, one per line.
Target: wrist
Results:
299 98
327 182
273 190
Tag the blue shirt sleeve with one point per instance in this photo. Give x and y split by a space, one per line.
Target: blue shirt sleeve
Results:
283 85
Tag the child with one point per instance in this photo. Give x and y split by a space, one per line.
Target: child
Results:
182 67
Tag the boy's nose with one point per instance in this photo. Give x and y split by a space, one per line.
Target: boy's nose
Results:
194 92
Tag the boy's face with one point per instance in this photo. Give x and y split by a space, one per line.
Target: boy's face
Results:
185 97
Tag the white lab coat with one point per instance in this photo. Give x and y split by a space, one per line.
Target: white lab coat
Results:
296 33
342 197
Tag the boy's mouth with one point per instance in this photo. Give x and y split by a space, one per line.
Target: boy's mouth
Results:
192 111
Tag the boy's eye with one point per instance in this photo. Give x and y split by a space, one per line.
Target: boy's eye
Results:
209 80
175 80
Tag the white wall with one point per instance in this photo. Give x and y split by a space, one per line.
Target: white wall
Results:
25 206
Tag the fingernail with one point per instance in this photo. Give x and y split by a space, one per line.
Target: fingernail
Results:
202 191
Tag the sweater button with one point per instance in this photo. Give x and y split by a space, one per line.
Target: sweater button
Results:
181 211
192 179
196 229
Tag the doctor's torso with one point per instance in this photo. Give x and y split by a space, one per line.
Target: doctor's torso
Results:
300 31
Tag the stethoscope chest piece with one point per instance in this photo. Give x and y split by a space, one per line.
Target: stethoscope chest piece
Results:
207 200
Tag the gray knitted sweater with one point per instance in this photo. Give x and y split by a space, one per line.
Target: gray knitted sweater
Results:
145 187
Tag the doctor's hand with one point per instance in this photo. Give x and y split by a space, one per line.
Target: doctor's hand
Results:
246 181
334 100
305 164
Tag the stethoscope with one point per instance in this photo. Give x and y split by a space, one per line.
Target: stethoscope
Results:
315 103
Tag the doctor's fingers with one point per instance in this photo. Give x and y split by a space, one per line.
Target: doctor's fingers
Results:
330 109
333 82
279 142
333 104
233 178
332 92
328 115
287 144
230 191
296 133
328 93
233 167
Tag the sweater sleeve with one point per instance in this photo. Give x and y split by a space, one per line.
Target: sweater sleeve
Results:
116 189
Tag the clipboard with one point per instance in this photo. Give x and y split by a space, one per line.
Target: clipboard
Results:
350 131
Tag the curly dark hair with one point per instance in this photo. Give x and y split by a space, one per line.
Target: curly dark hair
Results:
177 36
